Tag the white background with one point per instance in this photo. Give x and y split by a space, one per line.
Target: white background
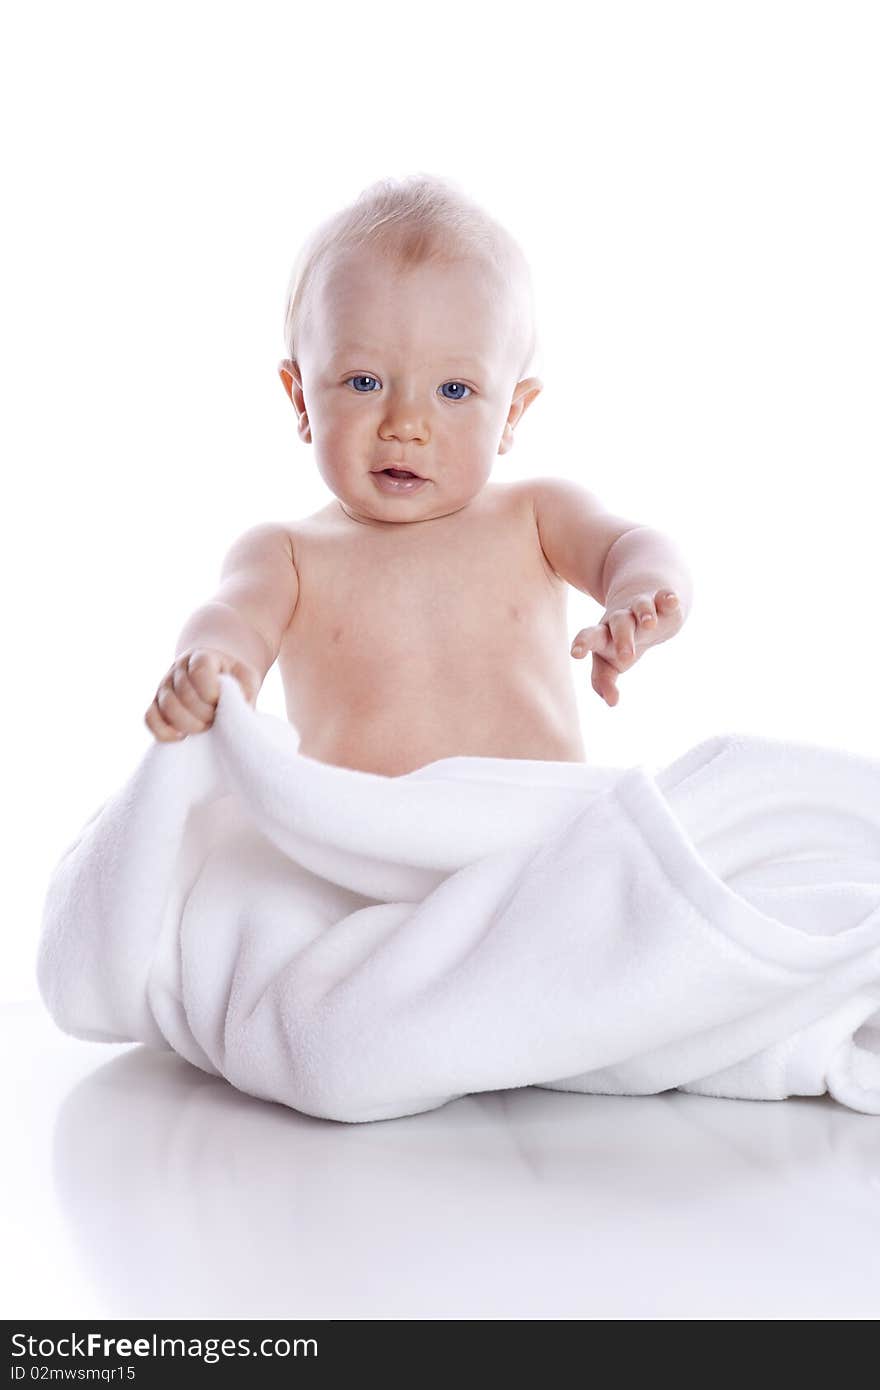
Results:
695 185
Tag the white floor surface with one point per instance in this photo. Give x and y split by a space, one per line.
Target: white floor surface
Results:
135 1186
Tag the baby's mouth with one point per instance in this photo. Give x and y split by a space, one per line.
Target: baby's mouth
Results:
397 472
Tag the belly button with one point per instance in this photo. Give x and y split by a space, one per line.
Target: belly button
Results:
337 634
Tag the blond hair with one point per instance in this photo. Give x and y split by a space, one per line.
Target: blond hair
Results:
418 219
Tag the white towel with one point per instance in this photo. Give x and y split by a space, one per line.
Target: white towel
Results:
360 947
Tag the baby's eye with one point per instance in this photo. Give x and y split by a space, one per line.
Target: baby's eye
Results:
368 390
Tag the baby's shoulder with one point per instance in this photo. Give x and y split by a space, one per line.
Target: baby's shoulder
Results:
518 492
306 532
517 498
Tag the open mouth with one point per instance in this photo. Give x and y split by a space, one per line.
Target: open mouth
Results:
400 482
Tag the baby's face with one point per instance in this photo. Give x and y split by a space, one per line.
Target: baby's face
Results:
408 369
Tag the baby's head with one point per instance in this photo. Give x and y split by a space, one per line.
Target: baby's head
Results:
410 328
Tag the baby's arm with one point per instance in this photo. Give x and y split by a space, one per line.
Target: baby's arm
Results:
576 532
627 567
239 630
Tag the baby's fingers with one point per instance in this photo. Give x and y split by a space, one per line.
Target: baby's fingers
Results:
175 713
622 626
604 676
189 695
159 727
668 605
203 670
588 639
645 614
604 680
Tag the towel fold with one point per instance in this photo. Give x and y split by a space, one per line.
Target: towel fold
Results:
360 947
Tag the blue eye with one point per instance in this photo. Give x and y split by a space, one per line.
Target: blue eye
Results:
459 385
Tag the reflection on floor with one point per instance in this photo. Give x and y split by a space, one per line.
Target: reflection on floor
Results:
140 1187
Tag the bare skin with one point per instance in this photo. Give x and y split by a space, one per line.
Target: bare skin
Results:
430 640
420 622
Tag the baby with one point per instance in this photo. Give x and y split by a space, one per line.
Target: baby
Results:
421 614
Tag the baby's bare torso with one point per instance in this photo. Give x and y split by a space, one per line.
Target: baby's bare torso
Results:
426 640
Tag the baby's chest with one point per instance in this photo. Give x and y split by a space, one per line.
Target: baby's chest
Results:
401 607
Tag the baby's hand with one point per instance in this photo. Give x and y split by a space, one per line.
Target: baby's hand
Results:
630 624
188 695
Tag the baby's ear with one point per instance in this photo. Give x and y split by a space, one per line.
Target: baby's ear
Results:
525 391
291 380
289 373
528 390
